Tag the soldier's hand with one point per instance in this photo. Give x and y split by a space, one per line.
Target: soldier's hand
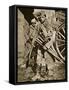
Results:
44 47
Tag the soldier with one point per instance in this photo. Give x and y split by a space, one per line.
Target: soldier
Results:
32 37
41 18
45 31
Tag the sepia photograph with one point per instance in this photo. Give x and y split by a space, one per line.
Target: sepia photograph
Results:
41 44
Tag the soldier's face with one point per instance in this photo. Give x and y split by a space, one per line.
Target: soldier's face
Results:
33 24
42 19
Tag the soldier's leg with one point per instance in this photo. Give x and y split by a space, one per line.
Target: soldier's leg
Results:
47 70
38 68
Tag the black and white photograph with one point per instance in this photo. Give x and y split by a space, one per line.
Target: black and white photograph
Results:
41 44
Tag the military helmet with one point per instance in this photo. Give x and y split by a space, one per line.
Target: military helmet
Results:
37 13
